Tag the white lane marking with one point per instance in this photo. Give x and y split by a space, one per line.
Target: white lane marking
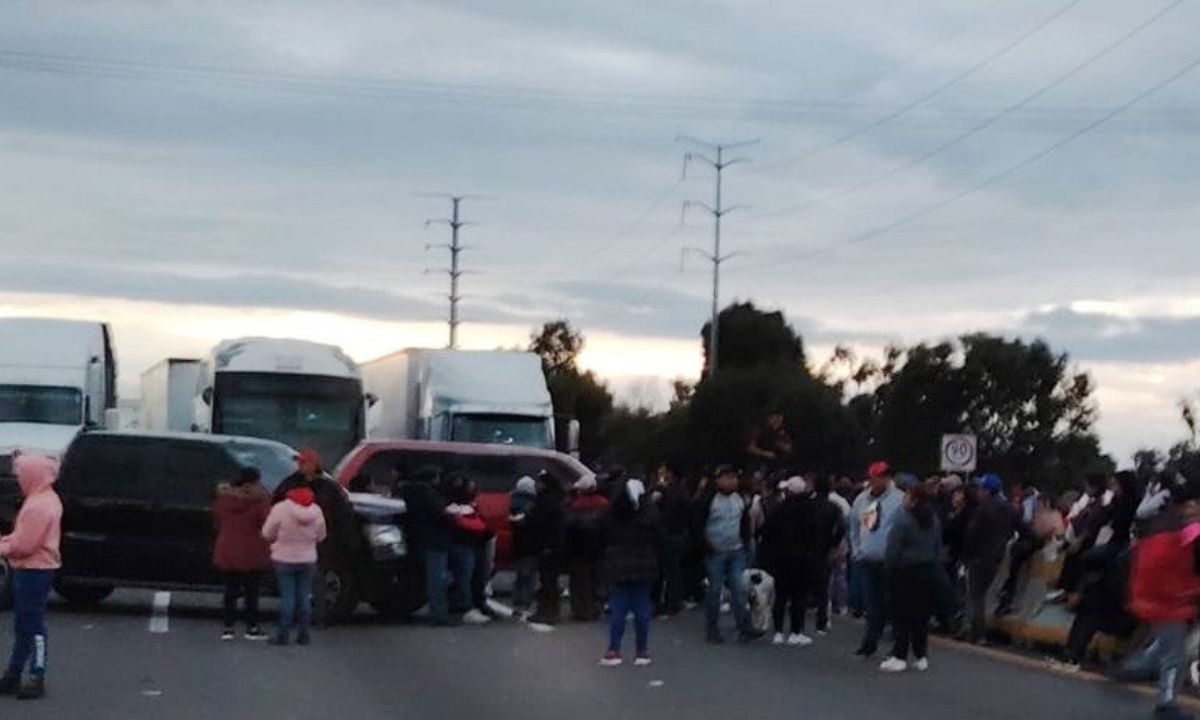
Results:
657 683
540 628
151 693
159 622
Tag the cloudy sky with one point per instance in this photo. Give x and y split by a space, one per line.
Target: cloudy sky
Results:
195 171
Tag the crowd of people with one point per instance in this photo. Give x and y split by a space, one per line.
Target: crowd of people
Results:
771 547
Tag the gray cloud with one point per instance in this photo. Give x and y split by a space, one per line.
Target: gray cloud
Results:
1112 338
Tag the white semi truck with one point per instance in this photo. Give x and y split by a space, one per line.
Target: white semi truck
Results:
301 393
168 394
460 395
57 377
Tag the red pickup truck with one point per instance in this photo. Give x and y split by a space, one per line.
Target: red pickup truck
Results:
494 468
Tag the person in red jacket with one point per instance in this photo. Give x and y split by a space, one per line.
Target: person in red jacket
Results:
240 552
1164 588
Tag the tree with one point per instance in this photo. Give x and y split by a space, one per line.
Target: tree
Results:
748 337
923 399
576 395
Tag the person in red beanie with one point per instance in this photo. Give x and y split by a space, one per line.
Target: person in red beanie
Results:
240 552
294 527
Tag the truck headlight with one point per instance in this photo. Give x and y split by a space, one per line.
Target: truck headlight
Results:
386 539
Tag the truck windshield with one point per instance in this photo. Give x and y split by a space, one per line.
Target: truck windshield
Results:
303 411
41 404
502 430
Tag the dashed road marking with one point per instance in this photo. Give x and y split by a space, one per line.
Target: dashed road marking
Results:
159 621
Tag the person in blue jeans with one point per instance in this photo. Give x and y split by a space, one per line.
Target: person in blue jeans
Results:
294 528
871 519
724 523
633 536
524 543
32 549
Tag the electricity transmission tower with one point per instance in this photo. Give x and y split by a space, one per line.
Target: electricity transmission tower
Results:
718 160
455 272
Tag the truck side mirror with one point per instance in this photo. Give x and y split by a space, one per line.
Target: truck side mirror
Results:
573 430
371 399
207 395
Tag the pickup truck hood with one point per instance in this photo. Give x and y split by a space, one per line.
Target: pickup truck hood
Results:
39 438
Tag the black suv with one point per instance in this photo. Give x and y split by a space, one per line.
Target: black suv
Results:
137 513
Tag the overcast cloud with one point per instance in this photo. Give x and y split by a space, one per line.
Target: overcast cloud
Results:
273 155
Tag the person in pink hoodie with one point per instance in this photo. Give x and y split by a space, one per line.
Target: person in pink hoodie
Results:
33 552
294 527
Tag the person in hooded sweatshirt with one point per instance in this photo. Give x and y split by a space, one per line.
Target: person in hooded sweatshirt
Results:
584 546
294 528
914 548
525 552
240 553
871 519
632 541
32 550
787 543
985 541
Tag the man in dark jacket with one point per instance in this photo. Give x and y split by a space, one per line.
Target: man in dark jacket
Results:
429 531
675 512
985 541
584 546
544 530
829 529
339 549
723 524
632 541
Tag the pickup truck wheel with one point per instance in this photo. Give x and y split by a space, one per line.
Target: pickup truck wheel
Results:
83 595
6 588
341 593
403 595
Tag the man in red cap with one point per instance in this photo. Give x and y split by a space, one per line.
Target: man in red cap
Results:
871 520
336 550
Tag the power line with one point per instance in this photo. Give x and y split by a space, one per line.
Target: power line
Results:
912 105
987 123
1029 160
719 162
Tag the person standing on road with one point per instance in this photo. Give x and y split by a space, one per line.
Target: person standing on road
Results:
294 527
988 531
584 547
872 515
545 524
430 527
673 509
914 548
788 540
521 502
1164 590
239 552
32 550
723 517
827 556
468 538
632 541
340 548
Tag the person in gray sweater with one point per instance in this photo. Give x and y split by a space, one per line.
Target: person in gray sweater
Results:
914 548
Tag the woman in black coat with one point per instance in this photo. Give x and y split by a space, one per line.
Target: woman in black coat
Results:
632 542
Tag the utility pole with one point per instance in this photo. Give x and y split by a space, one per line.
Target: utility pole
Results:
455 272
719 162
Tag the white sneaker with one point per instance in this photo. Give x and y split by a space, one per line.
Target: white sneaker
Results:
475 617
642 661
778 639
922 664
799 640
893 665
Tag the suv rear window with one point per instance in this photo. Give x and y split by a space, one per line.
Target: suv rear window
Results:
192 472
109 467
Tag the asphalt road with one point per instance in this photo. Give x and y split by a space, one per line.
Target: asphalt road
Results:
107 664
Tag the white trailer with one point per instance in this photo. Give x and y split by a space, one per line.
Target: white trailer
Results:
460 395
168 389
300 393
57 377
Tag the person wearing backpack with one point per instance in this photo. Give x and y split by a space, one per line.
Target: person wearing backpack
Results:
294 527
240 553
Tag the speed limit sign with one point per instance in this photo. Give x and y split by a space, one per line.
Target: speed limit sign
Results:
959 453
